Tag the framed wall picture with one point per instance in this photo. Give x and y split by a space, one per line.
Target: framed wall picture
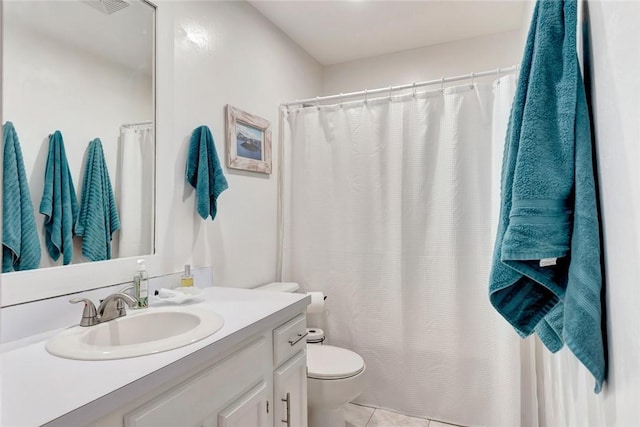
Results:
248 141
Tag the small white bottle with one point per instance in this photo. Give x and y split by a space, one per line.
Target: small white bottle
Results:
142 291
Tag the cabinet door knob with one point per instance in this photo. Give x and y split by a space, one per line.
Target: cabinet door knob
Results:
296 340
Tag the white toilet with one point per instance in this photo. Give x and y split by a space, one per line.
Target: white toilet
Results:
334 375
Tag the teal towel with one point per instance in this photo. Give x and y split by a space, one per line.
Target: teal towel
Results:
59 204
549 208
20 242
98 217
204 172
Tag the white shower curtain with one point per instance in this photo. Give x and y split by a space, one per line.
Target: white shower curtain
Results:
388 210
135 191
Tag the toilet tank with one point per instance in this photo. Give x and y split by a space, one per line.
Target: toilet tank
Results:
280 287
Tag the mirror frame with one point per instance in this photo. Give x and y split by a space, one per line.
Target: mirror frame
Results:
21 287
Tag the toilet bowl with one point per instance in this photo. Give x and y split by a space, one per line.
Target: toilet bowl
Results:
334 375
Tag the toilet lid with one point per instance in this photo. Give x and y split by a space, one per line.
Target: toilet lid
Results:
329 362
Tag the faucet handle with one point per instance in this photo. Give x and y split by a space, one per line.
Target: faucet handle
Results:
89 314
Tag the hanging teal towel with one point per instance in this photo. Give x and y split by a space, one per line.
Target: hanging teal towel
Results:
546 276
59 204
98 217
204 172
20 242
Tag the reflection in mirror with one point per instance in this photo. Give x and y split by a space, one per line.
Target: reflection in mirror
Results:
86 69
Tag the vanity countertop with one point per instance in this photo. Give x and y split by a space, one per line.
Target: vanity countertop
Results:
38 387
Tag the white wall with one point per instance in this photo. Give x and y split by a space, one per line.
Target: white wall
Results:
49 85
223 53
568 399
427 63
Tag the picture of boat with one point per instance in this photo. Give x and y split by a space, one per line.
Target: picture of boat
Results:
248 141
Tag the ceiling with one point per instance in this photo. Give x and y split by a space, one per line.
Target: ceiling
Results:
331 31
340 31
124 37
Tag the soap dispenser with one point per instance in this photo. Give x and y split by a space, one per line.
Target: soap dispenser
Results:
141 285
187 278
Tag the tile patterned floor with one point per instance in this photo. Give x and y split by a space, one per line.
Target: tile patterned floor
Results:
365 416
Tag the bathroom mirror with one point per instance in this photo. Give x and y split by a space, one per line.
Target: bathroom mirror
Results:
87 69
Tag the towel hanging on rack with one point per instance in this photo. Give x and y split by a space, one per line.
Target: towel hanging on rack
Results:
98 217
20 241
204 172
546 276
59 204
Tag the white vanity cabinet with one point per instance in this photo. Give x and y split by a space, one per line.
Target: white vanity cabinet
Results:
236 377
290 375
259 382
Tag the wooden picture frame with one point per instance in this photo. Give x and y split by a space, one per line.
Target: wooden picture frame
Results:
248 141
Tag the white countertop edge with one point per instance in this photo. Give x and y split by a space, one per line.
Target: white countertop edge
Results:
39 388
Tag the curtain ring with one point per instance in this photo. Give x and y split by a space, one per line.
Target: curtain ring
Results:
414 89
340 99
442 84
473 78
366 96
498 76
389 93
318 102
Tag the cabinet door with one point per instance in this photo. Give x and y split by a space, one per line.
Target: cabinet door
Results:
290 380
204 396
250 410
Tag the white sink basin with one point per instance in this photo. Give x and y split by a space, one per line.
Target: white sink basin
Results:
148 331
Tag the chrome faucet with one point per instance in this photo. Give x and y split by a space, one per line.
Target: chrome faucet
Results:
131 291
110 308
113 306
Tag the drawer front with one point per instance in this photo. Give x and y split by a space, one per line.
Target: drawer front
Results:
289 338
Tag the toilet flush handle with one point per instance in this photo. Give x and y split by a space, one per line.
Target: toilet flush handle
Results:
296 340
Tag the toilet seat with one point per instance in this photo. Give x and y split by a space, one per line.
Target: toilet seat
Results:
326 362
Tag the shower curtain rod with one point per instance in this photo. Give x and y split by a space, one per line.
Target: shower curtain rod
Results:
390 89
132 125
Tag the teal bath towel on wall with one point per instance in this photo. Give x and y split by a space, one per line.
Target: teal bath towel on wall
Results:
98 216
59 204
546 274
204 172
20 242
